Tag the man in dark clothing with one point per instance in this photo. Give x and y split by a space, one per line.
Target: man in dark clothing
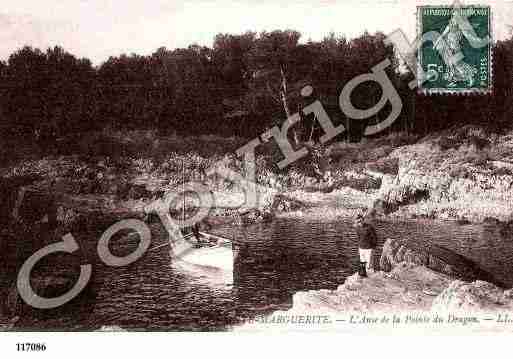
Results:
367 241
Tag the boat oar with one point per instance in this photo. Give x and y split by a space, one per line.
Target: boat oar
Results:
157 247
168 243
161 245
208 235
214 236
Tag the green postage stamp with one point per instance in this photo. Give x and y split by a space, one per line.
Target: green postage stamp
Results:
455 55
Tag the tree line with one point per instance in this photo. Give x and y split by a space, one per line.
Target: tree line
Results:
240 86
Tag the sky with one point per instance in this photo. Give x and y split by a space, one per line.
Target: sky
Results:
97 29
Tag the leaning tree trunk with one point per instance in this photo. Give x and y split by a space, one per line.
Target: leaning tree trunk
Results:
285 103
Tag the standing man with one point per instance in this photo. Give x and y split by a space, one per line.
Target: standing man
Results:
367 241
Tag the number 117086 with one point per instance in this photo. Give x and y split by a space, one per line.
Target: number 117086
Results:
31 347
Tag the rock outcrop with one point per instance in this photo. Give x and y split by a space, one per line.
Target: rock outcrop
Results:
450 182
431 256
410 292
406 287
473 297
418 281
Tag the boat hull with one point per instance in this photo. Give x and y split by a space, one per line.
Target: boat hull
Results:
213 263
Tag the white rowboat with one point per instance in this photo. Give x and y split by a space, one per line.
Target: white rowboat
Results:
212 262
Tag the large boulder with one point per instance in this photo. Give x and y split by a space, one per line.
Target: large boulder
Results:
431 256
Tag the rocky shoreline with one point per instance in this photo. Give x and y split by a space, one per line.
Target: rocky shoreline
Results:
409 296
444 177
464 175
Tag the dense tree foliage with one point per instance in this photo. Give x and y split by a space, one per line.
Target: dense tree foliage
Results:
241 86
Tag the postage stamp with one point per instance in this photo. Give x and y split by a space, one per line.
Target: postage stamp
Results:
458 57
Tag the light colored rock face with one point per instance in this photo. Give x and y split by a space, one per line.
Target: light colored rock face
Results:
473 297
407 287
396 251
460 182
408 290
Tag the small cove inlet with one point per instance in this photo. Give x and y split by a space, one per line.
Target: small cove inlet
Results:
271 262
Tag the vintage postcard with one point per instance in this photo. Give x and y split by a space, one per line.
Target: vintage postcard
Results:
256 166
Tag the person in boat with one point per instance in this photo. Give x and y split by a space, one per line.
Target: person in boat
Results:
196 228
367 241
